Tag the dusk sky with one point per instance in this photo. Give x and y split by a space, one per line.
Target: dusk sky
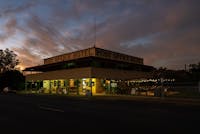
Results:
166 33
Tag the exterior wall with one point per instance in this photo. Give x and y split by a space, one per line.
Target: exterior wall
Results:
61 74
97 52
118 74
50 79
117 56
99 88
89 73
71 56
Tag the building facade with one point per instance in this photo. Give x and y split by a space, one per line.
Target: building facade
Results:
94 69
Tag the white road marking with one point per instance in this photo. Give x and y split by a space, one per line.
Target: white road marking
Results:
51 109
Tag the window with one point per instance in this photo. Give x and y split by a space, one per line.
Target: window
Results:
55 84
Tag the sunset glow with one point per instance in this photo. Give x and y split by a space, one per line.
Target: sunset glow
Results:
165 33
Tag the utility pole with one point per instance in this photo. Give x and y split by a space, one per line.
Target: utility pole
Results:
95 30
91 86
199 86
185 67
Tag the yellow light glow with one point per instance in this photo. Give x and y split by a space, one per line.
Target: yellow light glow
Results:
20 67
94 85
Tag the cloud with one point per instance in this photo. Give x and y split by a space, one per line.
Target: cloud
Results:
164 33
9 29
176 28
46 40
27 58
7 11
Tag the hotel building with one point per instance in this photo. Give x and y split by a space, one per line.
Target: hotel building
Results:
94 69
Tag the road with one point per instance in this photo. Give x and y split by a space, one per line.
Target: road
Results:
42 113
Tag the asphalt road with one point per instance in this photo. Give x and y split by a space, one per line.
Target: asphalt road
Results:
43 114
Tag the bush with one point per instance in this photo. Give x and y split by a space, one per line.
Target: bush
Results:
13 79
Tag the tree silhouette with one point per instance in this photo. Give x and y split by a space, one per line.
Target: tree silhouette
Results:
13 79
8 60
195 71
9 77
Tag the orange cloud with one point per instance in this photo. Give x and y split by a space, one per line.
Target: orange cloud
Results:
164 33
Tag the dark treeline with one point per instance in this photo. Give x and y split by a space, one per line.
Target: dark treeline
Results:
9 76
13 79
192 74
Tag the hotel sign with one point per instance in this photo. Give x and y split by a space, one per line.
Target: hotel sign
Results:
97 52
117 56
71 56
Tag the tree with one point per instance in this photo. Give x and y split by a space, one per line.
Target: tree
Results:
13 79
161 72
8 60
195 71
194 67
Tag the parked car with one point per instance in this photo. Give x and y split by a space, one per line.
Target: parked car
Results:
8 90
